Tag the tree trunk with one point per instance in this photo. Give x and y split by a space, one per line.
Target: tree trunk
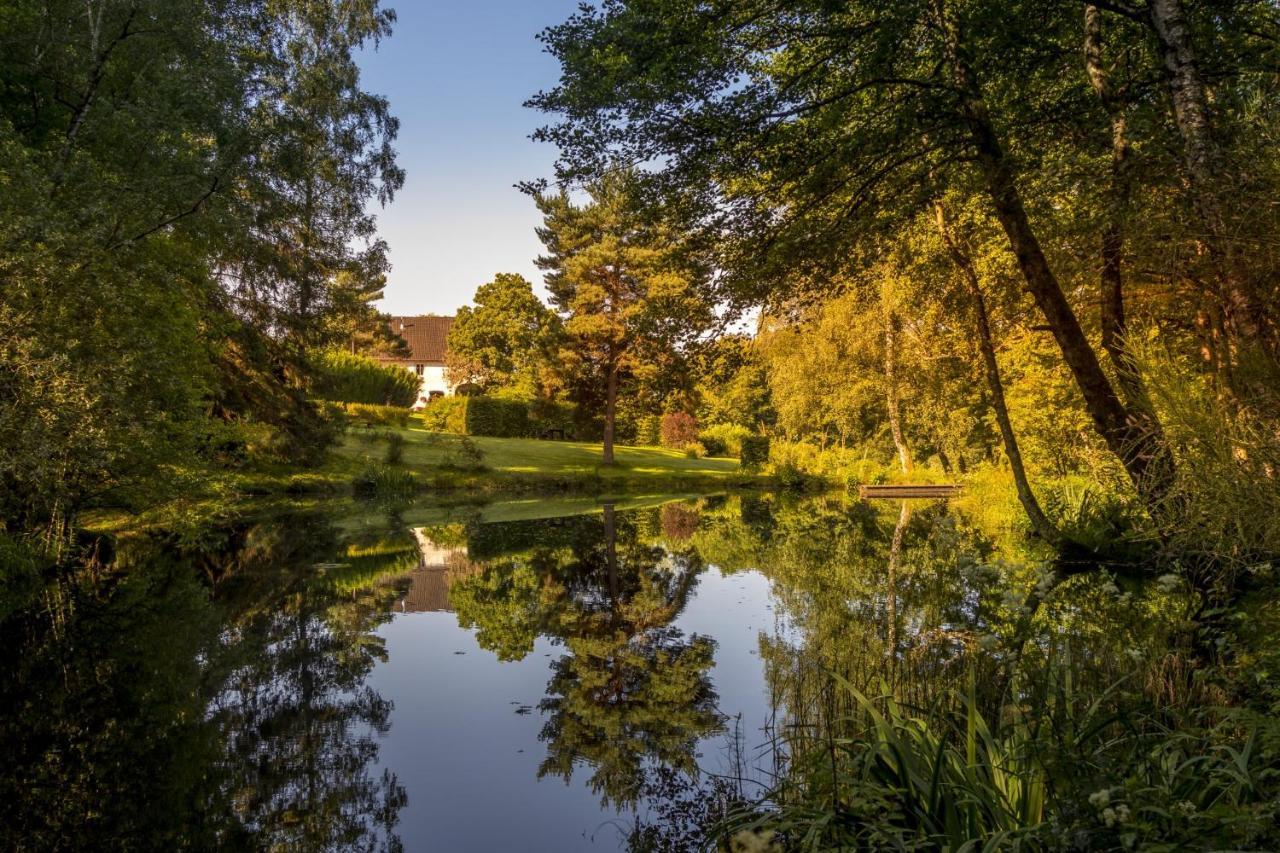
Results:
610 413
611 552
1145 458
892 325
1040 523
1111 278
1243 313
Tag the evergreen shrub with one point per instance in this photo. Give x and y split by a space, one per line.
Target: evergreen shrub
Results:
754 452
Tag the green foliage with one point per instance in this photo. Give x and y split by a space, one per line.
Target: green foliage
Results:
446 414
384 481
724 439
754 453
649 430
182 187
493 416
546 416
504 339
395 449
634 293
349 378
369 415
498 417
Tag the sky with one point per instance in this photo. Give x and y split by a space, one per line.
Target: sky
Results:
456 73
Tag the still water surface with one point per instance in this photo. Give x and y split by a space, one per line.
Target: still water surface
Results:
537 675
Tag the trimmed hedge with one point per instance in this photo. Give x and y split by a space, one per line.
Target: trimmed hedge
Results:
755 452
349 378
363 413
547 416
496 417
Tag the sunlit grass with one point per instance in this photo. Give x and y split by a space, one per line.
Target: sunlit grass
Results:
535 457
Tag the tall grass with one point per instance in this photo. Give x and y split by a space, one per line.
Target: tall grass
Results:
1055 769
1225 501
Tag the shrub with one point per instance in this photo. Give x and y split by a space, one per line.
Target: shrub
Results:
496 417
754 452
446 414
724 439
371 415
351 378
395 449
679 429
713 445
694 450
548 415
649 430
382 480
491 416
468 456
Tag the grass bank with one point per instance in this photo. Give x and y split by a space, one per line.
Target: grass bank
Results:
442 461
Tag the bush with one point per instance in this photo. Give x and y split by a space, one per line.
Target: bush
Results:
395 449
491 416
382 480
446 414
349 378
496 417
548 415
712 445
754 452
694 450
679 429
370 415
649 430
724 439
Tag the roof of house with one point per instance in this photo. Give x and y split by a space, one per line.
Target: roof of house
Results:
425 334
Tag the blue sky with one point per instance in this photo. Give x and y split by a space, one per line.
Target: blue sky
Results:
456 72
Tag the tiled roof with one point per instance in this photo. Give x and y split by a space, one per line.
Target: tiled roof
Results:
425 334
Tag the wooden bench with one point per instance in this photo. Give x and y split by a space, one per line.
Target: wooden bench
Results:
901 491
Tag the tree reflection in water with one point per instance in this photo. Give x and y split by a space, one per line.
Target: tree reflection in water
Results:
633 691
140 711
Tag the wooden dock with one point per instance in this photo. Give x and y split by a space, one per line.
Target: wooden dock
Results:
904 491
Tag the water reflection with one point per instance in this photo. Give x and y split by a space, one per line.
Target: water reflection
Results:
140 710
335 680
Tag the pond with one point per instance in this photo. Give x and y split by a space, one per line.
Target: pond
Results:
533 675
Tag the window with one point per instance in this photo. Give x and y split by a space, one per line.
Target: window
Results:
417 368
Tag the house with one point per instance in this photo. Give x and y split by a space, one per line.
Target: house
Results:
427 336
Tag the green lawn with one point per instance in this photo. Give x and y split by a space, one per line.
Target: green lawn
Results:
528 457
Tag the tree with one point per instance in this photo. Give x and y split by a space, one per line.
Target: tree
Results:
633 293
500 342
804 136
354 324
184 211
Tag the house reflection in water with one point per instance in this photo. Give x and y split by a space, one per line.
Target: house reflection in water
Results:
437 569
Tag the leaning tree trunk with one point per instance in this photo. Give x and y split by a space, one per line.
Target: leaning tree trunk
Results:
1040 522
1145 457
892 326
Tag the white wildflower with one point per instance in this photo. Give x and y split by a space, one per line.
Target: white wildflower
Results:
751 841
